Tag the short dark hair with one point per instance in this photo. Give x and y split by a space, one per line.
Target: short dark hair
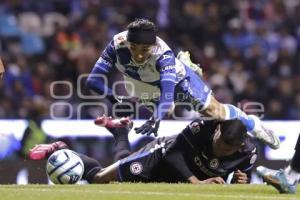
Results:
141 31
141 24
233 132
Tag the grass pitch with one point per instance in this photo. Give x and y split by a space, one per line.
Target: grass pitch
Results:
141 191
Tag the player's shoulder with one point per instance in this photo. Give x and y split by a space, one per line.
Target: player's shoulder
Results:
161 48
200 125
120 40
249 146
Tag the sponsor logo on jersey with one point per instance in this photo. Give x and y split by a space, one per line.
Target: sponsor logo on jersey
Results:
165 56
168 68
136 168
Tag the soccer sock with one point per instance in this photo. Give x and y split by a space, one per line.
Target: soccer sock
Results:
91 167
233 112
122 145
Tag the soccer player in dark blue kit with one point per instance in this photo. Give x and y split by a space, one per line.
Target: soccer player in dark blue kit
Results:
284 180
146 61
204 152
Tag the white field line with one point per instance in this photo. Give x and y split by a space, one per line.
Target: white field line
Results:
184 194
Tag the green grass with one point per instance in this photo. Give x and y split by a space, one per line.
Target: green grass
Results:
141 191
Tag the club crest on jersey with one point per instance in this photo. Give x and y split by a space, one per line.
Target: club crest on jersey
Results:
136 168
194 127
214 163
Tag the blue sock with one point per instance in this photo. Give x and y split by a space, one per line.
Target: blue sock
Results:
233 112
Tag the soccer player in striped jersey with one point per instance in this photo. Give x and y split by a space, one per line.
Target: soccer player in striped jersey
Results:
146 60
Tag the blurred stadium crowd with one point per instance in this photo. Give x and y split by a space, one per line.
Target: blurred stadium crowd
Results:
249 49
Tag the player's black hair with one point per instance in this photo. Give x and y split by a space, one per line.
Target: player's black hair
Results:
233 132
141 31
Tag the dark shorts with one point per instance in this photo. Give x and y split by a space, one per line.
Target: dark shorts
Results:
139 166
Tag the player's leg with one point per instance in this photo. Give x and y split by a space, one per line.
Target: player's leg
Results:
292 172
119 128
43 151
106 174
203 101
295 164
209 106
285 181
134 168
141 165
253 124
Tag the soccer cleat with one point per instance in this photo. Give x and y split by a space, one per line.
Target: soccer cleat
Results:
109 122
42 151
185 57
277 179
264 134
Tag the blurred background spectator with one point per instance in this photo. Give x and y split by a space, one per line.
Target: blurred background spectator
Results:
249 49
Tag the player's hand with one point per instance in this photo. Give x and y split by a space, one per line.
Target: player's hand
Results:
1 75
214 180
239 177
150 126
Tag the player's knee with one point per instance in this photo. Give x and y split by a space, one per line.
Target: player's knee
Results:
215 110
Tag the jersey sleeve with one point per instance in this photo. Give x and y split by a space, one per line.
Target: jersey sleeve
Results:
166 67
176 160
96 80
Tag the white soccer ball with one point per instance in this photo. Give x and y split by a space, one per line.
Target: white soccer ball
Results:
64 167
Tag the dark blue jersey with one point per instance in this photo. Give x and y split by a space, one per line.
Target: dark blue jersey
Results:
195 144
176 158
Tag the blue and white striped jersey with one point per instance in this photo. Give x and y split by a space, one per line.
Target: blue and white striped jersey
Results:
162 70
161 66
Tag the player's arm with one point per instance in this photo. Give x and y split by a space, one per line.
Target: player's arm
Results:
2 70
166 67
176 160
96 79
242 174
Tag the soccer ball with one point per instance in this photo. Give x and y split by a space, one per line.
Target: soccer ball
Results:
64 167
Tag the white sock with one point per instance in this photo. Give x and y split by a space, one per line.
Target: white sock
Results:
292 176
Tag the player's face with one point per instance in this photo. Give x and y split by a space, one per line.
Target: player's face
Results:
140 52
